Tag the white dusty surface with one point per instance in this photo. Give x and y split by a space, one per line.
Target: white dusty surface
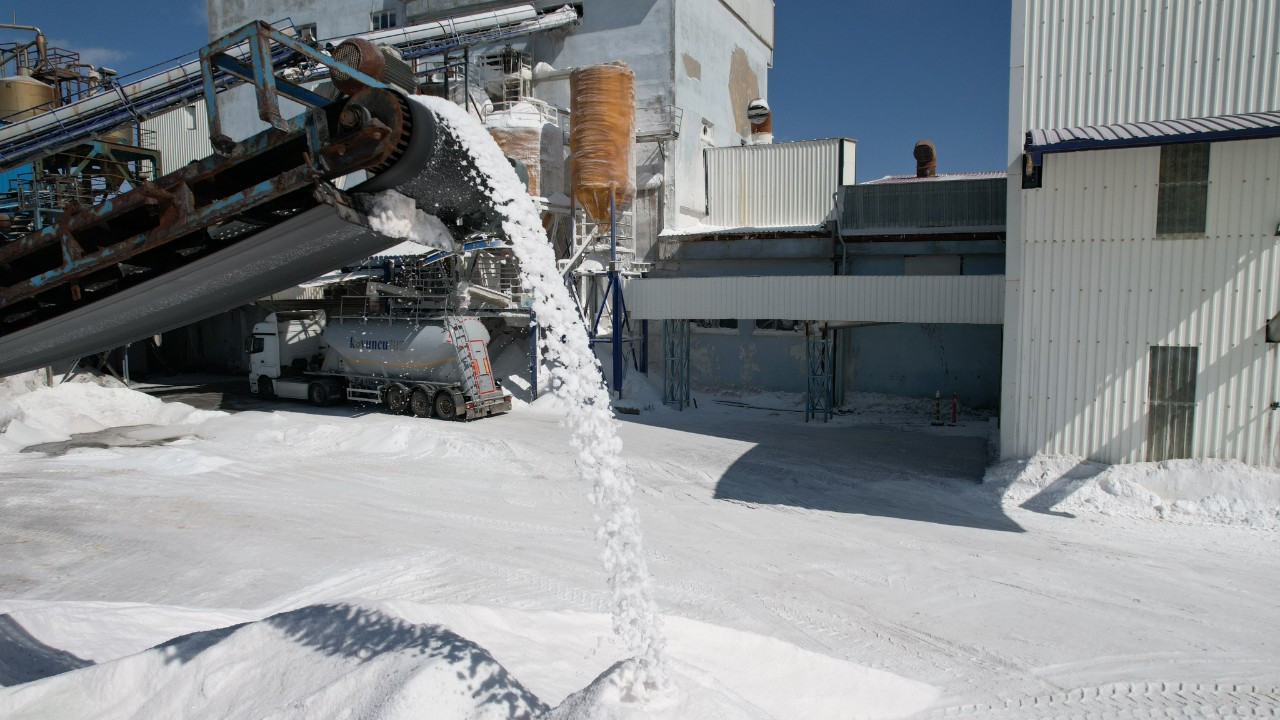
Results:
803 570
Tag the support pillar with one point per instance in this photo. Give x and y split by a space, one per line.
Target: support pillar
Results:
615 285
533 356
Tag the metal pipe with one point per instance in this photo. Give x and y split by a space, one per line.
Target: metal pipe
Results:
451 26
41 49
615 282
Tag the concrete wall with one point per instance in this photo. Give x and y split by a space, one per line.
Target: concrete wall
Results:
720 65
917 360
745 359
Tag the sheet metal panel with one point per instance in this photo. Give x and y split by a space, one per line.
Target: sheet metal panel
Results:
1098 62
1098 290
951 206
181 135
967 299
785 184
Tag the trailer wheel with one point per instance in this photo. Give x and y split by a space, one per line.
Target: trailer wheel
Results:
318 394
265 391
446 408
420 403
398 399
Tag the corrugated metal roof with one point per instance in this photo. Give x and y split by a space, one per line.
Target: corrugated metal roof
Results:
941 177
1206 129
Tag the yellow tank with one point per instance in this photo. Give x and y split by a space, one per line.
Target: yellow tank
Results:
602 107
22 96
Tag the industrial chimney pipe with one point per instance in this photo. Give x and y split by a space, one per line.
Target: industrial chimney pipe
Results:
926 159
41 51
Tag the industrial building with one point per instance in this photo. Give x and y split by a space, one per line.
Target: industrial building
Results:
1144 213
1107 293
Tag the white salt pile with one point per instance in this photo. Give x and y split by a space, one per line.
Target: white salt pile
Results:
1210 491
32 413
576 380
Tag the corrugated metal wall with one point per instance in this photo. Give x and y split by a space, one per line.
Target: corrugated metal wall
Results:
181 135
953 205
1092 62
967 299
783 185
1098 290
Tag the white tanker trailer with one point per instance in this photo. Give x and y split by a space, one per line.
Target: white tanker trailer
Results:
437 366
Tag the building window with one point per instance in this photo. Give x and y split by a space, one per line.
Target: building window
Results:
1184 190
383 19
1171 400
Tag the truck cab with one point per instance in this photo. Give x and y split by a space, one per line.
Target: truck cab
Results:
281 350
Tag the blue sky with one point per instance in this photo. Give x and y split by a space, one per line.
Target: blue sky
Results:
883 73
890 73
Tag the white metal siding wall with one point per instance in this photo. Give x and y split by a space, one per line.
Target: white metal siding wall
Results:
181 135
1097 290
782 185
969 299
1093 62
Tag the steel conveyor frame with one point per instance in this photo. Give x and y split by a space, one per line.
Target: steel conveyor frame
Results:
232 228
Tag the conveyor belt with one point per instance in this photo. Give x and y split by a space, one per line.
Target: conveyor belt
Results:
297 250
425 162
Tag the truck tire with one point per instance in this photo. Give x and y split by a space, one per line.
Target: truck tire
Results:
265 390
420 403
446 406
318 394
397 399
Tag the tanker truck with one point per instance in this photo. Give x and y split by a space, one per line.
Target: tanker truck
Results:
437 366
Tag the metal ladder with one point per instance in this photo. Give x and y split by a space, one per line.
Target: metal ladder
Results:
477 375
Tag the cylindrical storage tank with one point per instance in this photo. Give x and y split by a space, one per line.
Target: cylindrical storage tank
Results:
397 349
22 97
518 131
602 107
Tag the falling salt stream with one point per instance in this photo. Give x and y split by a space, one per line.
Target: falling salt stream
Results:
575 379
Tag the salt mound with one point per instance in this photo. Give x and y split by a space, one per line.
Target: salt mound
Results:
32 413
1208 491
323 661
686 695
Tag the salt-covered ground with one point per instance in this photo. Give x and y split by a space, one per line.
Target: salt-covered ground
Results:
295 562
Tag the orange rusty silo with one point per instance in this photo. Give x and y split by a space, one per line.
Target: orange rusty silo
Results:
602 102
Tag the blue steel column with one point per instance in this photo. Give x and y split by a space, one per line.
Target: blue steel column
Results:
533 356
644 346
615 283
